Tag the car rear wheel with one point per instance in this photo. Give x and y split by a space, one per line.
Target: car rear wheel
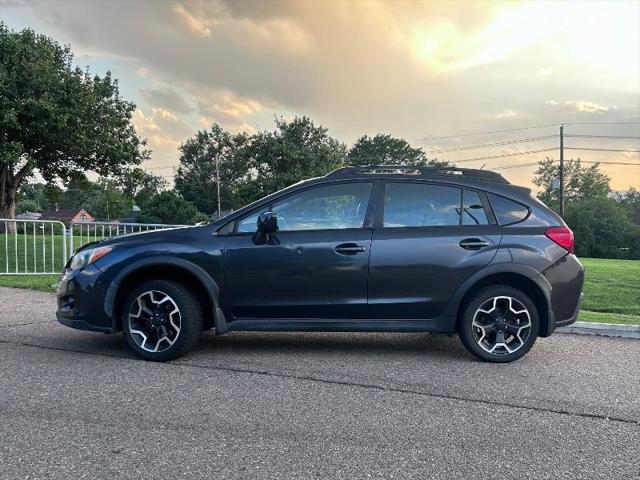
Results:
161 320
499 324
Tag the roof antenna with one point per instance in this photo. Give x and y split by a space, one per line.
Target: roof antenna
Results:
483 165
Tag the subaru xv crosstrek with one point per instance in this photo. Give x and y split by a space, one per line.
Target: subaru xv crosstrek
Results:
362 249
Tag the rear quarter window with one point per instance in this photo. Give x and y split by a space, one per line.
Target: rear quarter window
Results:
507 211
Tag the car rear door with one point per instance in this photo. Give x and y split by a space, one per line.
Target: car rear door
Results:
428 239
315 266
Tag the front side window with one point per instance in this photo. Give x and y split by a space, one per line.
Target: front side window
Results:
322 208
422 205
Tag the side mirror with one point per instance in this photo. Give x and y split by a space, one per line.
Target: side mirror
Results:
267 223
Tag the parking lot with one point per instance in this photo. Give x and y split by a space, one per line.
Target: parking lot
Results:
318 405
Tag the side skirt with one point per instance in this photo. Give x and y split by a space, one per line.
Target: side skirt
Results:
437 325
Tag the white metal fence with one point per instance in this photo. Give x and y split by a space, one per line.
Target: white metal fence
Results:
32 247
40 247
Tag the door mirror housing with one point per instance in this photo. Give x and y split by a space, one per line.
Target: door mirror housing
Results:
267 223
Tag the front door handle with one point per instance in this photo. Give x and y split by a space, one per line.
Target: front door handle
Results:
349 249
473 243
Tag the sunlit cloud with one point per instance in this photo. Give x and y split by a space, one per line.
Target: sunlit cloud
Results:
412 69
194 24
582 106
506 113
226 105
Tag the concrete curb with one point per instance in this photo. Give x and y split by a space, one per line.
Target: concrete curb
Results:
602 329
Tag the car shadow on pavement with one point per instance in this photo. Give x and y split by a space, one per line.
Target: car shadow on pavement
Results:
335 343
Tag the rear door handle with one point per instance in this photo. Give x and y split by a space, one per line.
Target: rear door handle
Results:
473 243
349 249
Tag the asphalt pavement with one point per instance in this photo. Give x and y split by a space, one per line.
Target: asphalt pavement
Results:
310 405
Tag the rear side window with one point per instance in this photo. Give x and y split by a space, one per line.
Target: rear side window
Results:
423 205
507 211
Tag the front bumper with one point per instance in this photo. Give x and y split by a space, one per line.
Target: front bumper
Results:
81 296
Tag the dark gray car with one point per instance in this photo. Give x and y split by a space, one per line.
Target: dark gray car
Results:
380 248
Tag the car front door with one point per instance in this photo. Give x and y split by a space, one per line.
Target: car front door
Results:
429 238
314 266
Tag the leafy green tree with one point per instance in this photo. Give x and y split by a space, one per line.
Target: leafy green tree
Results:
196 179
580 182
296 150
110 202
56 118
140 185
631 201
169 207
33 197
602 228
383 149
28 205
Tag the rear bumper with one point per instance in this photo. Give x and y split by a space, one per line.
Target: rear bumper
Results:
566 278
572 318
80 300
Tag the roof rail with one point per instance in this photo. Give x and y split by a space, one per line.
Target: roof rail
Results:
469 173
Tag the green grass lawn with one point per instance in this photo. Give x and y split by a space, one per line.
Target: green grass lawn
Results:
611 290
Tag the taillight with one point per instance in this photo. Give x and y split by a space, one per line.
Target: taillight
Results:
563 236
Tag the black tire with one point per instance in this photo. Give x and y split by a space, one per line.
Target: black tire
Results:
190 320
469 334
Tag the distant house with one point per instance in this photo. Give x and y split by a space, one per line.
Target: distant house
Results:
68 215
29 216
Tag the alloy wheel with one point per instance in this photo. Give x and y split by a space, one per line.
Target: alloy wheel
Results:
154 321
501 325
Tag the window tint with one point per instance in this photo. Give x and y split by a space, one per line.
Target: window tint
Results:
322 208
507 211
473 211
420 205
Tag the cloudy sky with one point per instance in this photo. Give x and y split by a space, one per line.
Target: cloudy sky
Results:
419 70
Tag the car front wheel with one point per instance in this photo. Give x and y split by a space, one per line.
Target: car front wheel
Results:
161 320
499 324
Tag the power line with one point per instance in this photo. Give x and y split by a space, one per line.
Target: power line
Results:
487 133
602 149
488 145
602 123
624 137
505 155
613 163
506 167
518 165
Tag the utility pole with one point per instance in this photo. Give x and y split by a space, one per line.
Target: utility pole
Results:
218 183
562 170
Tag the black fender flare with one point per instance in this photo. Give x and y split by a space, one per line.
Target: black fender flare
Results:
212 288
492 269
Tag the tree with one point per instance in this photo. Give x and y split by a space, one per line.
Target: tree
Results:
602 228
196 179
169 207
140 185
34 197
57 119
580 183
296 150
631 201
383 149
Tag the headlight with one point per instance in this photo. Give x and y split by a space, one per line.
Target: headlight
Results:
87 257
